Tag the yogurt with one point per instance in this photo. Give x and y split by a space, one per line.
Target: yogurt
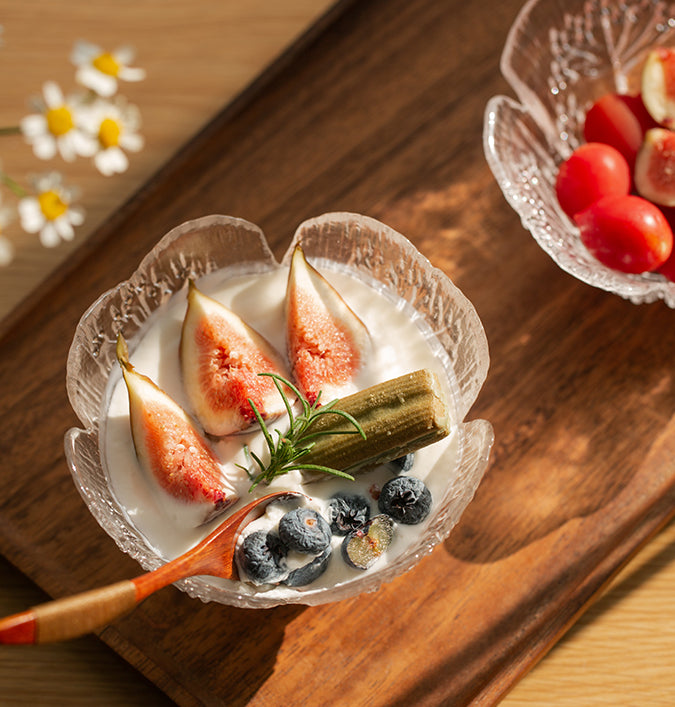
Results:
401 343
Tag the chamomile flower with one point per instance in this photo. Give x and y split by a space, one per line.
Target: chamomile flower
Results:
57 127
50 213
100 70
115 124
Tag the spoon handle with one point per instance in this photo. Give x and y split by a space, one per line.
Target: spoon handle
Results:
82 613
69 617
73 616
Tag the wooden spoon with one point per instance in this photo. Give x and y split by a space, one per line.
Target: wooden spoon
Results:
74 616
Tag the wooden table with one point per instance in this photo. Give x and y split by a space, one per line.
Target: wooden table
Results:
379 111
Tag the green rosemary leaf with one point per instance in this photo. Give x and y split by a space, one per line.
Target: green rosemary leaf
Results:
289 447
324 469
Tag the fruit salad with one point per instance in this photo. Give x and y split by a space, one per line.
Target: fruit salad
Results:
618 187
210 391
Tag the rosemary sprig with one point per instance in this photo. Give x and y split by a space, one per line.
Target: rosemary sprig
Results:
287 451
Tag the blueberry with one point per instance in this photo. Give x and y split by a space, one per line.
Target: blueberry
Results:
403 464
347 512
362 547
406 499
261 557
304 530
312 570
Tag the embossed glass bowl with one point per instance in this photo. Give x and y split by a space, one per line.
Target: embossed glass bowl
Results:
361 246
560 56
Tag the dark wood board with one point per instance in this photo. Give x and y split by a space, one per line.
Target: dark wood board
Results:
380 113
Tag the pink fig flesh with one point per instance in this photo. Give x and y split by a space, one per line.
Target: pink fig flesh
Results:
169 446
655 167
658 85
221 359
327 342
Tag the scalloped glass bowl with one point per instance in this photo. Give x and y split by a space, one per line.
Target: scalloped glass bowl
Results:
366 248
560 56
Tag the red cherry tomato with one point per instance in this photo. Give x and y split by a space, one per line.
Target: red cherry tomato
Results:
593 171
620 121
668 268
627 233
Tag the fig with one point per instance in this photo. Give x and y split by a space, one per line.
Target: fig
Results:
327 342
169 446
655 167
620 121
658 85
221 359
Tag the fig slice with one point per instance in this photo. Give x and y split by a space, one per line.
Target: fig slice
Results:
169 446
658 85
655 167
327 342
221 357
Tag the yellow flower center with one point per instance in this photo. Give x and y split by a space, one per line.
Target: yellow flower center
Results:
52 205
106 64
109 133
59 120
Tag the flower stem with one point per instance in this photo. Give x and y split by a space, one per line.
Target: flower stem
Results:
10 130
13 185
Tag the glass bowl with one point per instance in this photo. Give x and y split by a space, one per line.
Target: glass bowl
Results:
560 56
361 246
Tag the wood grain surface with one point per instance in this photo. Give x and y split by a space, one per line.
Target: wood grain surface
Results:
382 114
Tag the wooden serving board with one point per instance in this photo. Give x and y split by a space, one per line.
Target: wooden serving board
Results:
380 114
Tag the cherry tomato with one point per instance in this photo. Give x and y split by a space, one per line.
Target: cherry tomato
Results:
620 121
668 268
593 171
627 233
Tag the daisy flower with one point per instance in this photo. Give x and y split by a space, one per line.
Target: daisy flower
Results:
99 70
57 127
115 125
50 213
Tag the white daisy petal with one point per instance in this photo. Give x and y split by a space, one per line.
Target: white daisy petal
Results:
83 144
124 54
111 161
64 228
128 73
76 215
33 125
6 251
103 84
103 164
44 147
30 214
66 148
121 161
53 94
132 141
84 52
48 235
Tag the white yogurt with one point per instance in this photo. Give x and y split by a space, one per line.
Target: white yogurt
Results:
401 344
